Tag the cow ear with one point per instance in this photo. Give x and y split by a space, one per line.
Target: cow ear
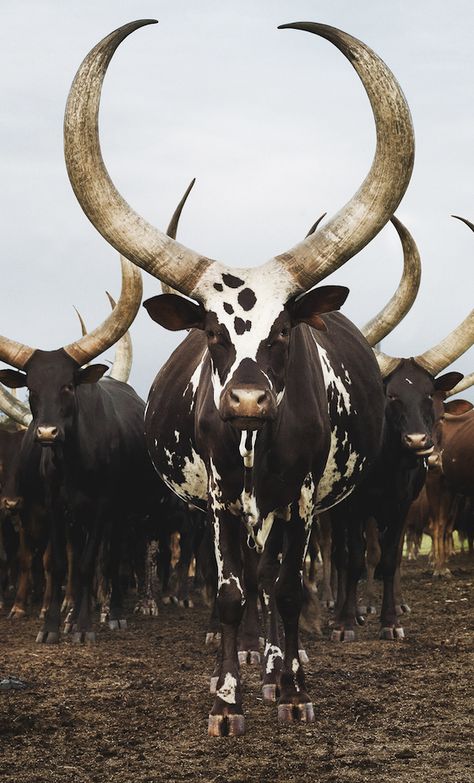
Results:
456 407
448 381
13 379
175 312
91 374
307 308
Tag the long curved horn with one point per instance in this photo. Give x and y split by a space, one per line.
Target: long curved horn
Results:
466 383
451 348
116 324
14 408
81 321
455 344
402 300
306 264
375 202
13 353
118 223
172 229
123 359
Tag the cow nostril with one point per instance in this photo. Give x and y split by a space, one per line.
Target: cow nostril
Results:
261 399
234 397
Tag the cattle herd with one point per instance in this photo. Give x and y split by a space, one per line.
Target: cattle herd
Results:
275 429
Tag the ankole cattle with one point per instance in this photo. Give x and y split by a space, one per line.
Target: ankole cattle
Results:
272 407
83 452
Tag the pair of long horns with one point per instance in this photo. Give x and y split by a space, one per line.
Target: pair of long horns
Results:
301 267
100 339
122 364
436 359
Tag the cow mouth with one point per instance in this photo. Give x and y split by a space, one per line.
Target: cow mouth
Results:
243 423
424 452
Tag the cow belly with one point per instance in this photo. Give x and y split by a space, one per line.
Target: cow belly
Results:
184 473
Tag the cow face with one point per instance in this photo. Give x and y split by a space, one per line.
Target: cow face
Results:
52 378
248 325
414 404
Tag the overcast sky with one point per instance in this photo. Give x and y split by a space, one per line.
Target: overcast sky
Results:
274 124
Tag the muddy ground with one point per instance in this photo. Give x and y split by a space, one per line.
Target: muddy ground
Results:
134 707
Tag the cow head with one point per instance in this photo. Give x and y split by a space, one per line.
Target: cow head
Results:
414 403
248 325
52 378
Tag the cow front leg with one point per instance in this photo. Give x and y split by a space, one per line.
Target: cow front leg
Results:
268 569
294 704
248 648
226 717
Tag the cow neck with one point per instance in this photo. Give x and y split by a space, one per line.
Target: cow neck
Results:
247 499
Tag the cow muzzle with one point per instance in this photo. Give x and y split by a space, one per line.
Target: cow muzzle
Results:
418 442
48 436
11 504
248 408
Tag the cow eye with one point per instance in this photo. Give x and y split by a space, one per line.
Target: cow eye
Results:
68 387
392 396
211 334
284 332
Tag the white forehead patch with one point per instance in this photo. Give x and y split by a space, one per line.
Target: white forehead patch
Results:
269 287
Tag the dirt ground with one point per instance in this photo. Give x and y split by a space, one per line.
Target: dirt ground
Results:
134 706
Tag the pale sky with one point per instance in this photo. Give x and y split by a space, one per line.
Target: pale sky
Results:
274 124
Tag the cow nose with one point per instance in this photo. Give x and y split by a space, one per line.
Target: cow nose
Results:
248 398
47 434
418 441
10 504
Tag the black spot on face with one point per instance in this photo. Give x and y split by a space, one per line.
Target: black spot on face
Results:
247 299
228 308
218 286
231 281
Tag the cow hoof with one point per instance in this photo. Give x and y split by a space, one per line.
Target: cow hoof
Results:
405 609
296 713
213 685
212 638
343 635
186 603
69 627
391 634
16 613
148 609
83 637
47 637
303 656
329 604
371 609
114 625
252 657
226 725
269 693
360 619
